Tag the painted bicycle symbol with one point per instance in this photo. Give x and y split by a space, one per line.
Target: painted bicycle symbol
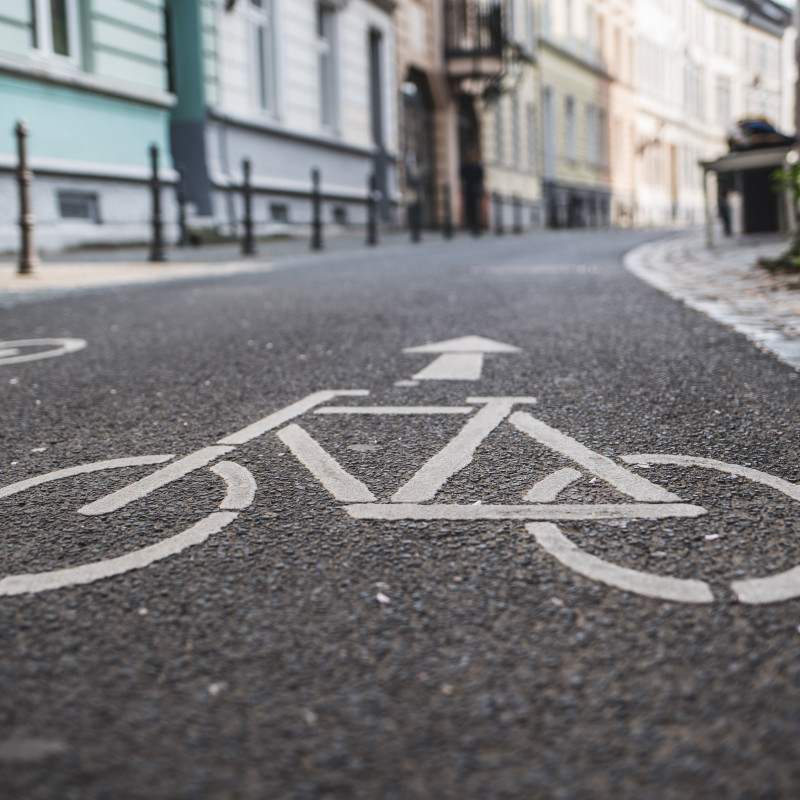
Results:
415 500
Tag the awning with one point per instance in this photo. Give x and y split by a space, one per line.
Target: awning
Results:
749 159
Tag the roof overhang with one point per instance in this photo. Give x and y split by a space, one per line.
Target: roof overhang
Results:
744 160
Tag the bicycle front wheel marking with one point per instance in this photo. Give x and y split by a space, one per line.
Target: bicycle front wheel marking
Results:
753 591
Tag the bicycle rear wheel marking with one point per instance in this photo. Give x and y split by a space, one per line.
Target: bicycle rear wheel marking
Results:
240 491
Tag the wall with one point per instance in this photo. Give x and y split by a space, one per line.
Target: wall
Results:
110 101
284 143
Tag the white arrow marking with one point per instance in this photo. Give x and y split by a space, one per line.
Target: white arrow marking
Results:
453 367
460 359
466 344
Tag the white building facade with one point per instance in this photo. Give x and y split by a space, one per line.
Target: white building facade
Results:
292 86
701 66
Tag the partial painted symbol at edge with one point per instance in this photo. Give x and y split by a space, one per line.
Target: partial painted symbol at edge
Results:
13 352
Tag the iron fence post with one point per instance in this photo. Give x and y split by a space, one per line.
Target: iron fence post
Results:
183 233
498 214
28 259
157 251
517 214
316 210
372 211
248 240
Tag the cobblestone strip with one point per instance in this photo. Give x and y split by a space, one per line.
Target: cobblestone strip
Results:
725 284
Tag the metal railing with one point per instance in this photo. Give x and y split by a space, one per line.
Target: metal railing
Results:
473 28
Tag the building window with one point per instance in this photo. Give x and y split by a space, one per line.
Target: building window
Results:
569 119
515 142
327 67
602 137
498 132
548 128
262 24
340 215
590 33
591 134
279 212
79 205
531 138
530 28
54 28
723 100
570 28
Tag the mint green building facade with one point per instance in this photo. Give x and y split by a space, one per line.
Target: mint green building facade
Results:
91 80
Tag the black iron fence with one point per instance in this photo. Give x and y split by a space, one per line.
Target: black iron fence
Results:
473 28
319 200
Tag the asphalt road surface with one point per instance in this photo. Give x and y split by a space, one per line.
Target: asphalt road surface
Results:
427 591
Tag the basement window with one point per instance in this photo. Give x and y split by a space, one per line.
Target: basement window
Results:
79 205
279 212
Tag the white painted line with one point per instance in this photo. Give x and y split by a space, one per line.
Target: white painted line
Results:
548 489
60 348
465 344
10 352
453 367
550 512
517 401
241 485
342 485
679 590
88 573
406 383
395 410
456 455
621 479
138 489
757 591
281 417
96 466
789 489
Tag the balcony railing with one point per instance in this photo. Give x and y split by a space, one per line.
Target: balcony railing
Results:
474 38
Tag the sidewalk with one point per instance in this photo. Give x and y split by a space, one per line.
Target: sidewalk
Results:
725 284
85 269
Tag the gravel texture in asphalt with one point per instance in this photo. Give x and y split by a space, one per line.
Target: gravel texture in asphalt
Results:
300 653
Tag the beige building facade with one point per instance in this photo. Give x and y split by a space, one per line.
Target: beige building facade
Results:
511 123
467 79
576 92
583 112
427 114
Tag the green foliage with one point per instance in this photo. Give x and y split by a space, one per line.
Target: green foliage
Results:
787 179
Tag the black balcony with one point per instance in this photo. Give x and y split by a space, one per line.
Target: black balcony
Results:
474 38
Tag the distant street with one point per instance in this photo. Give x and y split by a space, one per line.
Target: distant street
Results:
483 519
